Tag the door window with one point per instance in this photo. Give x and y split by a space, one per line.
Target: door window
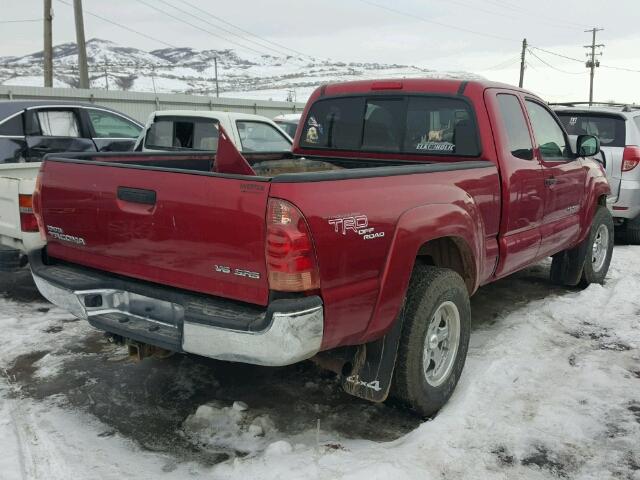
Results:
549 135
109 125
516 127
58 123
261 137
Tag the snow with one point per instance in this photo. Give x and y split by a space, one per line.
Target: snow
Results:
186 70
551 389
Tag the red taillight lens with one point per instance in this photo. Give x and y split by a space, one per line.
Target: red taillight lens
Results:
28 222
37 207
291 259
630 158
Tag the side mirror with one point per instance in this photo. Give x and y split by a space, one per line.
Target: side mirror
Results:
587 146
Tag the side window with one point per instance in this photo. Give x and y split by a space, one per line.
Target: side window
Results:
109 125
551 139
58 123
382 124
261 137
516 126
12 127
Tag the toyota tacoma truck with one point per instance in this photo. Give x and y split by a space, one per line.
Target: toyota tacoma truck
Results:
360 249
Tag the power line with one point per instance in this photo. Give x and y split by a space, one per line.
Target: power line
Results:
434 22
245 31
504 15
186 22
529 13
551 66
611 67
22 21
185 12
123 26
557 54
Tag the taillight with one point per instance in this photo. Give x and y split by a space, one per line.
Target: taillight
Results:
37 207
28 222
630 158
291 259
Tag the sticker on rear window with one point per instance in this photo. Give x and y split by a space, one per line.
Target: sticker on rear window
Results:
436 146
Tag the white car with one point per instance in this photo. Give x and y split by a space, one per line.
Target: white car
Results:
180 130
618 128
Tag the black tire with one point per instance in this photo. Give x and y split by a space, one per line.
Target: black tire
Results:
631 232
591 274
575 267
430 288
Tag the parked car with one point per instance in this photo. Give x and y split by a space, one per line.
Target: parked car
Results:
30 129
193 130
404 197
288 122
618 128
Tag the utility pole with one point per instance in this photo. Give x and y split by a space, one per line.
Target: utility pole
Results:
522 62
592 63
48 44
106 74
82 48
215 63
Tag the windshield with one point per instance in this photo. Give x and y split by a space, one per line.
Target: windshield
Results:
426 125
609 129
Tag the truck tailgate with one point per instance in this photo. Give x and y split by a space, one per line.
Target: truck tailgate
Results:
192 230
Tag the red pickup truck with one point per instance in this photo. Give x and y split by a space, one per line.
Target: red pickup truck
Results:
360 248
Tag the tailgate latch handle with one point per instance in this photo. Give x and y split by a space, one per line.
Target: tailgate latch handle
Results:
137 195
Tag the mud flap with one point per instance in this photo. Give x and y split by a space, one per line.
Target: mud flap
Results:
567 270
373 364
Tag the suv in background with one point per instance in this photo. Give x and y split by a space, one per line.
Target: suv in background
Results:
618 128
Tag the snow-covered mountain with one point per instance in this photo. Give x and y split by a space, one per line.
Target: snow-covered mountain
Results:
186 70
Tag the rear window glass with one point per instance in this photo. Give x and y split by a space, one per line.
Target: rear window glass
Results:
610 130
261 137
416 124
183 134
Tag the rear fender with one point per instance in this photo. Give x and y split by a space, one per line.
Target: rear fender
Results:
596 191
417 227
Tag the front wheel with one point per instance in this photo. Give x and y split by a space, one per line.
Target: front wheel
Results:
599 248
434 341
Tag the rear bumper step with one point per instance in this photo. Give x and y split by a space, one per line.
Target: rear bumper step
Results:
285 332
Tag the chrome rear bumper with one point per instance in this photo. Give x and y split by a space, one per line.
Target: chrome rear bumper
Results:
290 330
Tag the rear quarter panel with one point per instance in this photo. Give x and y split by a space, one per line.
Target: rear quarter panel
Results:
363 281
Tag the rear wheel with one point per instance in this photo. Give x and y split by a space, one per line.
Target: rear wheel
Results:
434 341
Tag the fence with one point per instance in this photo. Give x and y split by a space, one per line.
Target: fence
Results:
139 105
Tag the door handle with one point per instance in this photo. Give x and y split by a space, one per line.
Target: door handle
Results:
550 181
137 195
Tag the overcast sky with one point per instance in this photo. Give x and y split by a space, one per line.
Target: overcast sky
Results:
486 39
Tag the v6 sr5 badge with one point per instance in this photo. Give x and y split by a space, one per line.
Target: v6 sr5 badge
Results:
354 223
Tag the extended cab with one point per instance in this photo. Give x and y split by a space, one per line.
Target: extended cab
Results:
402 198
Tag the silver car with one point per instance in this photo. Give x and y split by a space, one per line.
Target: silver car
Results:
618 128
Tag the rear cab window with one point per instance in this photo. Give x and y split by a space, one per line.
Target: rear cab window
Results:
610 129
406 124
183 133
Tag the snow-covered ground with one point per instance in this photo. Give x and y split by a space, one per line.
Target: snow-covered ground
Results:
551 389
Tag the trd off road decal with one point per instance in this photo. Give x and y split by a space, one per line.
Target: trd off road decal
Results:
356 223
436 146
